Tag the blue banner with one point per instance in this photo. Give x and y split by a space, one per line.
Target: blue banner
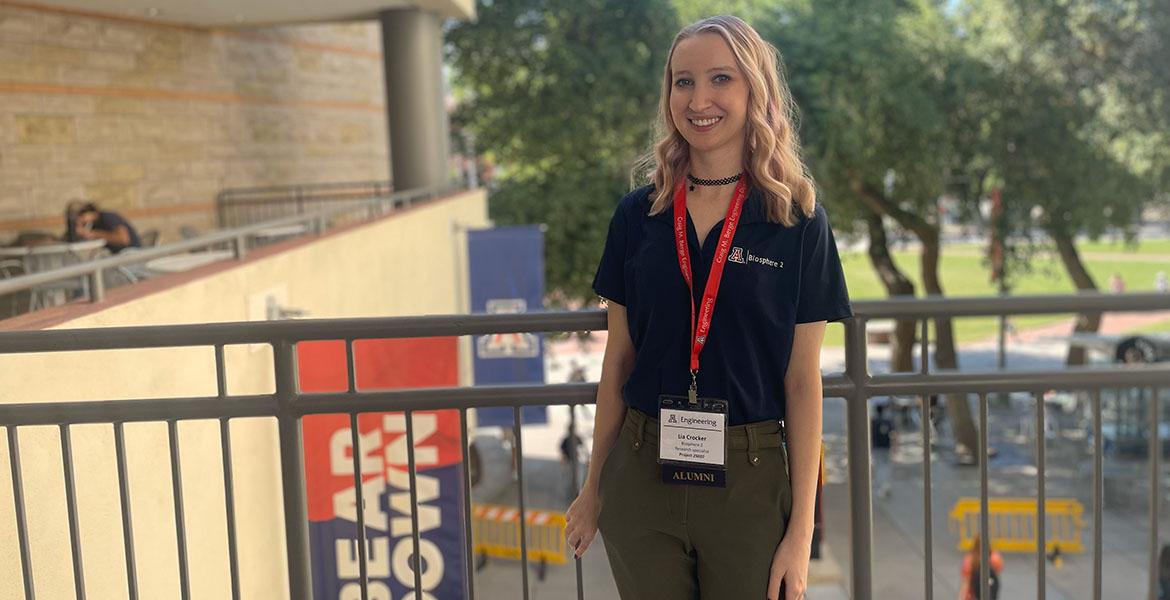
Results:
383 461
506 275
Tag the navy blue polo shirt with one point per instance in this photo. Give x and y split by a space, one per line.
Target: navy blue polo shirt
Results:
775 277
111 221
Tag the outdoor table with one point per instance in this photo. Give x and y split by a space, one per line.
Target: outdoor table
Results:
47 257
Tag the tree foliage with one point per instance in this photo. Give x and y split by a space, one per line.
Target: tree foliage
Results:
1079 100
1064 106
1108 56
562 95
755 12
870 104
874 88
1078 131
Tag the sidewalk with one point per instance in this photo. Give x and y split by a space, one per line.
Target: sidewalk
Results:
899 546
1113 323
899 542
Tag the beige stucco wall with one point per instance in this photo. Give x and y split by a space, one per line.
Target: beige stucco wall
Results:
146 118
401 265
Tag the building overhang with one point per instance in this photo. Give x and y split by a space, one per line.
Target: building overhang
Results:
253 13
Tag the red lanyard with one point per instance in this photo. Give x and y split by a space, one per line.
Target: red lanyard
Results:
702 326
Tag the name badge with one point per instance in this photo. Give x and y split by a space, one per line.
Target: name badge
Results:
692 440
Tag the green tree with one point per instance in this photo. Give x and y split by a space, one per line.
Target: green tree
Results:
1110 55
1076 132
754 12
872 85
562 95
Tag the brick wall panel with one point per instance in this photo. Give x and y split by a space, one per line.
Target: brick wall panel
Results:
135 116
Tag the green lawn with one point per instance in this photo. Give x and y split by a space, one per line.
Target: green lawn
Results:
1142 247
1163 327
965 275
1161 246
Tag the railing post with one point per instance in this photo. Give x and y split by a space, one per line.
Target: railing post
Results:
927 497
240 247
97 288
1098 494
18 500
860 497
1155 416
292 471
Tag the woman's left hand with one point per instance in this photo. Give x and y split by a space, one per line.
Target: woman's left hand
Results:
790 566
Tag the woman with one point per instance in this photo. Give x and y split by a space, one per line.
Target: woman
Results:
710 511
970 588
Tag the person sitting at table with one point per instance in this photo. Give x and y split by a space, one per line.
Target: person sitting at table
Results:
89 223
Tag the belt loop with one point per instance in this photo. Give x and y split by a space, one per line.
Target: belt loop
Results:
640 426
753 446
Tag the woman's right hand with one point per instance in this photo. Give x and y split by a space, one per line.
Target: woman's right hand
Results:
581 520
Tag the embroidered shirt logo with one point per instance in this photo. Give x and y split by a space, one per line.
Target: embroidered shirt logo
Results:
738 256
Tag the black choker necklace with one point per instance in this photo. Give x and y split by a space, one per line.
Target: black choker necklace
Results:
712 182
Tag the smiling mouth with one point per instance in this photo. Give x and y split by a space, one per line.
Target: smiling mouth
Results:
705 122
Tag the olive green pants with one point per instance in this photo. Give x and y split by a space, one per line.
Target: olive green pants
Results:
681 542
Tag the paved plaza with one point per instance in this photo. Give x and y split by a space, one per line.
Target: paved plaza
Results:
899 545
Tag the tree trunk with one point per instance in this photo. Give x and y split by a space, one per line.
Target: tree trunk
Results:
1087 322
945 357
896 284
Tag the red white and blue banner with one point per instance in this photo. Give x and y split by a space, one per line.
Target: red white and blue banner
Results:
332 499
506 275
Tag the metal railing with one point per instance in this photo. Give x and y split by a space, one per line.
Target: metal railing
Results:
236 238
237 207
288 405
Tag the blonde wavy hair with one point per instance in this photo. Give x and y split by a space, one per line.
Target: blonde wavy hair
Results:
772 153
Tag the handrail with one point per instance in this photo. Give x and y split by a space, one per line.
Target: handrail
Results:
236 236
518 395
231 201
911 307
262 332
259 332
857 386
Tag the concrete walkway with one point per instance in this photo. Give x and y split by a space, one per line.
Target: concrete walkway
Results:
899 526
1114 323
899 545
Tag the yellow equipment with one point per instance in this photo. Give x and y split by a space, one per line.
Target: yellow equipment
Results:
495 531
1012 524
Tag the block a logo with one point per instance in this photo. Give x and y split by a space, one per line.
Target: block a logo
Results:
507 345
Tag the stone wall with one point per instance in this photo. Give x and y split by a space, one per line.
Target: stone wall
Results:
153 120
